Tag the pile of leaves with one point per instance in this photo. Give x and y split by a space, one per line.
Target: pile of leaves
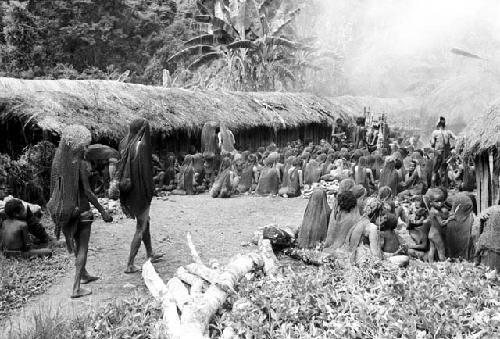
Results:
21 279
442 300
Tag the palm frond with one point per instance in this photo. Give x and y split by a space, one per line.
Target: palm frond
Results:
276 41
242 44
190 51
203 18
205 39
202 8
225 26
205 59
282 20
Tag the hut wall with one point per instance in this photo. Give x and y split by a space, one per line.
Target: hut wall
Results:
253 138
483 182
178 141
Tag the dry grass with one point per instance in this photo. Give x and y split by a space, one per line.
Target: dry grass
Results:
484 132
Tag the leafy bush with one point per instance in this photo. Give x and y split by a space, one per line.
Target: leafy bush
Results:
443 300
133 318
28 177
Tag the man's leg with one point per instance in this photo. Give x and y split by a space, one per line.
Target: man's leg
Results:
146 239
82 238
142 221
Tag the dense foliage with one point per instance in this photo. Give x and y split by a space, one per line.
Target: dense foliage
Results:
89 39
28 177
442 300
232 44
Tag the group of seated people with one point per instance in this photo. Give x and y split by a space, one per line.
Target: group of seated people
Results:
288 171
386 206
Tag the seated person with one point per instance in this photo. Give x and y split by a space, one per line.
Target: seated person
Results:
269 181
186 178
293 180
247 179
223 185
14 239
389 241
35 227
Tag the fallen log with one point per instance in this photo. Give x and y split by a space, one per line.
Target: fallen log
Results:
197 308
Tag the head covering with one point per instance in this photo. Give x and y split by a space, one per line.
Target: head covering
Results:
135 169
384 192
373 207
346 185
315 222
358 191
63 205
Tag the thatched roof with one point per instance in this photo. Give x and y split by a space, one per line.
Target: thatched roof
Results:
106 107
484 132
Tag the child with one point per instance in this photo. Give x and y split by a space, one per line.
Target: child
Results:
14 232
437 222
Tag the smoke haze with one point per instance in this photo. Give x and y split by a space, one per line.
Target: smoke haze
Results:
394 48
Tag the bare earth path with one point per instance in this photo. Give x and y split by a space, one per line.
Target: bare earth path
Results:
218 227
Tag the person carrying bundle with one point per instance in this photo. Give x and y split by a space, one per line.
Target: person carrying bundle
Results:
70 199
134 179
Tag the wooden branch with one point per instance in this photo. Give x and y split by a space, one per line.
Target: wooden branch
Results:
194 281
203 272
178 292
171 323
271 264
194 252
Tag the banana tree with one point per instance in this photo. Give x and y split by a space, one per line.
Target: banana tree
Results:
248 42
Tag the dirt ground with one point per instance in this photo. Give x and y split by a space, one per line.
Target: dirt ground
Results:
218 228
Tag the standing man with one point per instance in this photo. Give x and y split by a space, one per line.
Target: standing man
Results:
441 143
226 139
134 178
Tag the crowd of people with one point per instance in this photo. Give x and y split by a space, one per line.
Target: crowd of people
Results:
363 191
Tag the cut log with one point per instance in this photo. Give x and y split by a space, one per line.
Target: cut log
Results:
203 272
199 308
171 323
179 292
194 281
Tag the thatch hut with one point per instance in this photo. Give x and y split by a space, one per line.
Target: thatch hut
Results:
32 110
481 140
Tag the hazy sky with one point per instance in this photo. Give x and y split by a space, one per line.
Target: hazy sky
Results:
398 47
